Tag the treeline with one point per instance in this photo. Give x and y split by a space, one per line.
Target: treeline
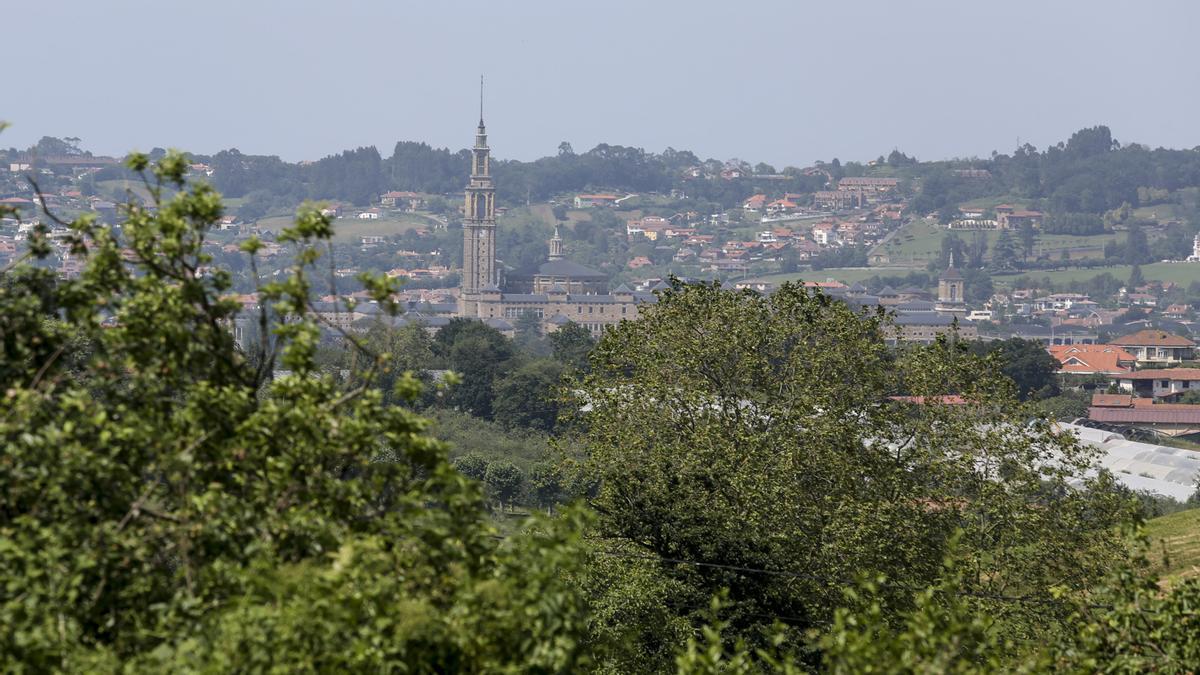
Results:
1090 173
359 176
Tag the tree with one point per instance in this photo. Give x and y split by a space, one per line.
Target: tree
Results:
1137 248
1026 363
1135 277
571 345
504 481
1004 253
528 397
704 444
472 466
169 503
546 484
479 353
1028 239
527 335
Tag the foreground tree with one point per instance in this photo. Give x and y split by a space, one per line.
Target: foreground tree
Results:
751 444
167 504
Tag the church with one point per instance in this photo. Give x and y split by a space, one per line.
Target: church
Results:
560 291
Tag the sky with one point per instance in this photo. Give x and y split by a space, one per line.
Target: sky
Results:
787 83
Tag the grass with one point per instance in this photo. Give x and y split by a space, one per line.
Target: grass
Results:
348 230
1180 273
1178 536
116 190
921 240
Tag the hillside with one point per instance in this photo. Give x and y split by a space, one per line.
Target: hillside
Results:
1178 536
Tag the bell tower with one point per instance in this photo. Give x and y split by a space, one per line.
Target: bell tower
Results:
479 217
951 286
556 245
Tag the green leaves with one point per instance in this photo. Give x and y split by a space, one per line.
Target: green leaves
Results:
759 433
165 506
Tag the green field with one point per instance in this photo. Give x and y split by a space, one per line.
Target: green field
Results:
348 230
118 190
921 240
1178 535
1180 273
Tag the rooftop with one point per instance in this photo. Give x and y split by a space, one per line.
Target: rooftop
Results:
1153 338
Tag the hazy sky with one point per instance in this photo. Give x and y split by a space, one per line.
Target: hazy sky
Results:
782 82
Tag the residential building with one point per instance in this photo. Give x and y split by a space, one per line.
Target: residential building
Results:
755 203
1158 383
1009 217
1092 359
1123 410
1156 347
867 183
840 200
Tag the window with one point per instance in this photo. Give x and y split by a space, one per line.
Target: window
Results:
1166 384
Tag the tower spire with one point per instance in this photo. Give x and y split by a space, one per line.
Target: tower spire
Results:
556 244
481 100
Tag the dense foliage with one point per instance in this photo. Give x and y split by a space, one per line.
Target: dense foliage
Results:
755 437
166 503
774 488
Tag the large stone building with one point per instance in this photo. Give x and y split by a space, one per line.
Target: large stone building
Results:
560 291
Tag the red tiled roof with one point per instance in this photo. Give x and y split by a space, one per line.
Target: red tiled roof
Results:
1112 401
1086 359
1177 374
1147 415
1153 338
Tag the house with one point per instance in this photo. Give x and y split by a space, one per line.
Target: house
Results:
650 226
410 201
825 234
732 173
867 184
1009 217
588 201
781 206
639 262
755 203
840 200
1092 359
1159 383
369 214
1167 419
1156 347
1177 312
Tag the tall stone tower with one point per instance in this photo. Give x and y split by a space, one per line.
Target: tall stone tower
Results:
479 221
